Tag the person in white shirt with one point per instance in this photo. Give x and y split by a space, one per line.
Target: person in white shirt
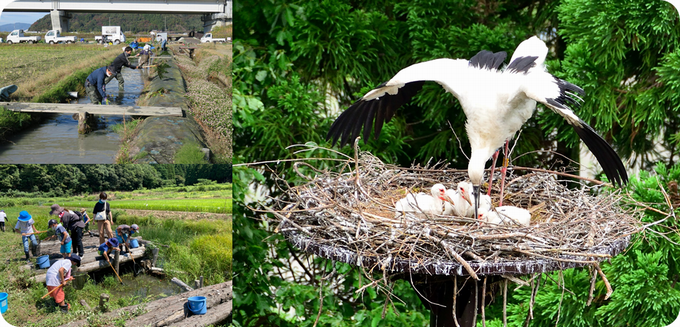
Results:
25 226
57 276
3 217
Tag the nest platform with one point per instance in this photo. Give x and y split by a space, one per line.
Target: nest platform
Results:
349 216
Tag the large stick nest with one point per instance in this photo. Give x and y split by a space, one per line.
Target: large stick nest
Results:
349 216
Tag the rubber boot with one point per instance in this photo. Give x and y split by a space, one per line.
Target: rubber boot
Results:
28 259
64 308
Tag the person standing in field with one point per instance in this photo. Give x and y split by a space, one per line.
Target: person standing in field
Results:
57 277
3 217
103 217
61 233
26 226
117 64
95 84
74 224
86 220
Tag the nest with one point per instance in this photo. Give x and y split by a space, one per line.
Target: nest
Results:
349 216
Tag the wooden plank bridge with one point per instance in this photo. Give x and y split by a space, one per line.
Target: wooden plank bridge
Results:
86 112
93 109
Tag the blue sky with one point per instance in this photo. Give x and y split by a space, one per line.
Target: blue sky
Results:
20 17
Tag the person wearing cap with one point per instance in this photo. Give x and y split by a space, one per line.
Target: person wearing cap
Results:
26 226
117 64
3 217
105 249
123 233
103 217
74 224
95 84
63 236
58 276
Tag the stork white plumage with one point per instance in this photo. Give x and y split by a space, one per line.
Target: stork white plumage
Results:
506 215
496 102
484 204
422 203
457 206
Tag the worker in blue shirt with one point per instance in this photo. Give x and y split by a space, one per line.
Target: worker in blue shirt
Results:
95 86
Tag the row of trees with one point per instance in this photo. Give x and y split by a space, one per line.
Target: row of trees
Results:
294 58
62 180
136 23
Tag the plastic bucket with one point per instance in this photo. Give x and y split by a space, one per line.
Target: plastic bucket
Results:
133 243
3 302
43 261
197 305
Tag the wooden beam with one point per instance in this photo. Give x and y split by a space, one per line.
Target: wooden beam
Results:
92 109
95 265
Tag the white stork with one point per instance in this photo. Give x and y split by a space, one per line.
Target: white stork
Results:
496 102
424 203
484 203
506 215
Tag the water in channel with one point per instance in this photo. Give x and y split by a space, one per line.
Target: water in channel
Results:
56 138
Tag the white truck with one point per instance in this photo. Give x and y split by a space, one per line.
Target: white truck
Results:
111 34
54 36
17 36
207 38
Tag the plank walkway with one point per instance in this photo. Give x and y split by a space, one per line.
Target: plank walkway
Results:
169 311
93 109
91 261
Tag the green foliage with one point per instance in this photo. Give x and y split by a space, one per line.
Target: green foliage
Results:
190 153
12 121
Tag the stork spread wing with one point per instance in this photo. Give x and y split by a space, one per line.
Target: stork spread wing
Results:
378 106
560 96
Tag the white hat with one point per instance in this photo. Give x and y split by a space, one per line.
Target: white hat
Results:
147 47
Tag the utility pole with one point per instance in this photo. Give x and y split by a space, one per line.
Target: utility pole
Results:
166 22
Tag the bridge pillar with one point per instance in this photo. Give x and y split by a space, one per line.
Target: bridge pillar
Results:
213 20
60 20
86 122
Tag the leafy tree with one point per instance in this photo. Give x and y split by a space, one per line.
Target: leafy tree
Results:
294 59
136 23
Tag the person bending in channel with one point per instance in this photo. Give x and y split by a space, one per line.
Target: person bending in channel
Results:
26 226
61 233
57 276
105 249
3 217
95 86
117 64
103 217
123 233
144 56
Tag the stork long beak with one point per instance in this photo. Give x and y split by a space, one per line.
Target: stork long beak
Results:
475 191
446 197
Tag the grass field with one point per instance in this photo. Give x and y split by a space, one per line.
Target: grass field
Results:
192 205
188 249
36 67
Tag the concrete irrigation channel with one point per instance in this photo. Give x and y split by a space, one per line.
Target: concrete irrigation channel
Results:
59 138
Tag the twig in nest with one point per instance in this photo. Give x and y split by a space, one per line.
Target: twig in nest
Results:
604 279
460 144
534 291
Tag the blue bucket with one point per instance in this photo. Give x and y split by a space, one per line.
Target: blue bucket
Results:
3 303
43 261
197 305
133 243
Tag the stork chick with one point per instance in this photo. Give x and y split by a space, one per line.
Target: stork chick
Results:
424 204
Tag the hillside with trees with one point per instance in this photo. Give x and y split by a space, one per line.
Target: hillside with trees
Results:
136 23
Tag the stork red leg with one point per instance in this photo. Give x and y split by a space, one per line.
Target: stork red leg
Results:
506 162
493 167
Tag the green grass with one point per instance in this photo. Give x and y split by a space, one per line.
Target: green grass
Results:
191 205
193 248
190 153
